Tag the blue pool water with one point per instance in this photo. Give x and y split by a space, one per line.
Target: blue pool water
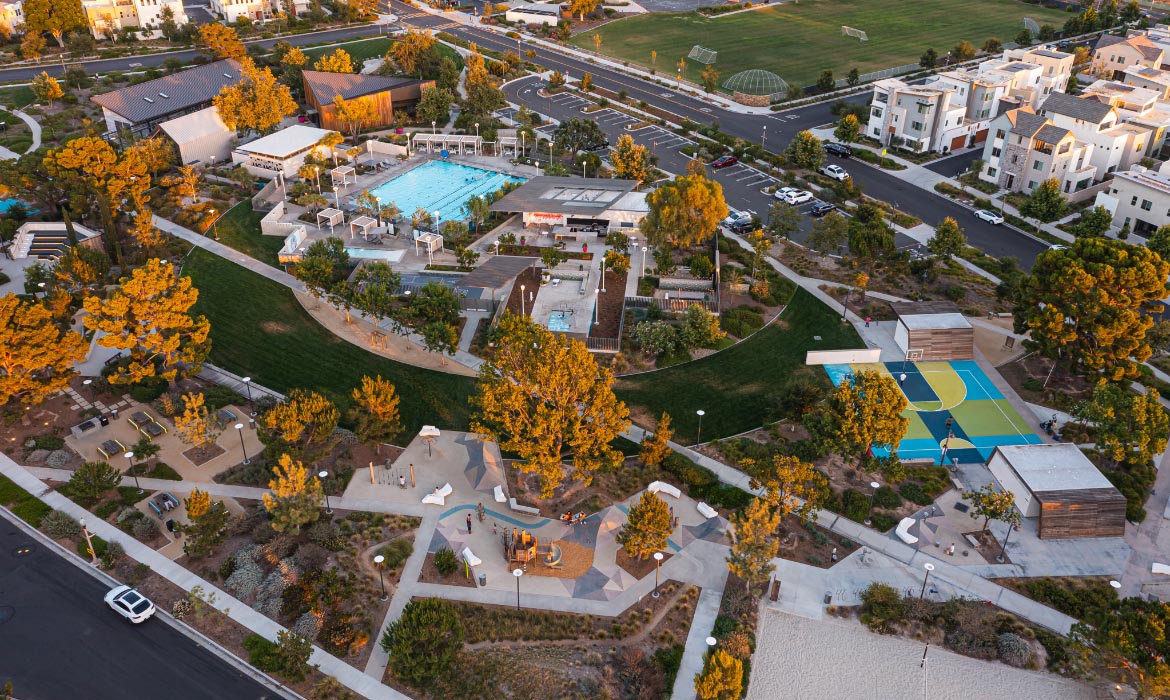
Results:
375 254
559 321
440 186
6 204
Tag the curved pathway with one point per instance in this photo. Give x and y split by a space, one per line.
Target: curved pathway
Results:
33 126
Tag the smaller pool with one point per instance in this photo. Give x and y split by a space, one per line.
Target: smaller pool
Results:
7 204
374 254
560 321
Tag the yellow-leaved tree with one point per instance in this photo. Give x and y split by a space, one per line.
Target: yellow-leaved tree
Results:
409 48
656 447
647 527
375 411
149 315
791 486
866 411
194 425
685 211
754 545
303 424
721 679
256 103
354 113
207 524
295 498
36 356
631 161
46 88
544 397
337 62
220 41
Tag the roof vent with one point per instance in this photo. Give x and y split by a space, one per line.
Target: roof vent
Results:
228 75
148 100
164 96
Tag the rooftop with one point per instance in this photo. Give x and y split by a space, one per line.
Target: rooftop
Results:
326 86
1028 124
285 142
1078 108
565 195
171 93
194 126
1053 467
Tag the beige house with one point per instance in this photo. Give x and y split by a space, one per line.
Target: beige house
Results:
107 17
1139 197
1116 145
1026 149
1113 54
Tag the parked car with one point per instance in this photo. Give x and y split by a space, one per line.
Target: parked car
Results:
736 217
820 208
836 172
130 604
991 217
798 197
723 162
838 149
784 192
742 226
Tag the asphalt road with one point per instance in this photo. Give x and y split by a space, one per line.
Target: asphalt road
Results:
58 639
955 165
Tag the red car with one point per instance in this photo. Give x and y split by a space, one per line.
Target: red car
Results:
723 162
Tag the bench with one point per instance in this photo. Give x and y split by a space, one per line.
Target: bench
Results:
224 416
152 429
156 509
903 531
707 511
663 487
527 510
1157 568
470 558
439 497
498 494
111 448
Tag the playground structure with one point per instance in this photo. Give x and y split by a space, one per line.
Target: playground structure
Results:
519 547
758 88
853 31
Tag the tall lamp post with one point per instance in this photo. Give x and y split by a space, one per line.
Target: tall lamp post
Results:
699 433
517 573
764 137
244 450
521 300
88 384
873 487
214 224
657 565
434 128
645 249
381 580
130 457
248 388
325 475
88 542
929 567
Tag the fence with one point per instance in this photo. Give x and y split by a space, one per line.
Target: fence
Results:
603 344
880 74
266 198
224 378
670 305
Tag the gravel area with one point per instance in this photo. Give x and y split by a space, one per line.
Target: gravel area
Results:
802 659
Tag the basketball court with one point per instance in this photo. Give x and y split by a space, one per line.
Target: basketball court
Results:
981 418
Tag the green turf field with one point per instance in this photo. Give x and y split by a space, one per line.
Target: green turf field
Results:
798 41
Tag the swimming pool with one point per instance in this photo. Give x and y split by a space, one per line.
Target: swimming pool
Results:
560 321
8 204
440 186
374 254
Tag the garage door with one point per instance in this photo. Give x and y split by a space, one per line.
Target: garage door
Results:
981 136
958 142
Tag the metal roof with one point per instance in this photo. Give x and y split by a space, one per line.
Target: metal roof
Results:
194 126
157 98
325 86
497 271
564 195
1053 467
286 142
1076 107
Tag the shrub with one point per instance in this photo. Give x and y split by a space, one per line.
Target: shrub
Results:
687 471
669 659
60 525
308 625
722 495
883 521
49 442
144 528
855 505
99 546
914 493
1013 650
114 552
885 497
327 535
742 321
245 579
882 607
445 561
424 641
262 653
182 608
311 556
148 389
396 553
227 568
933 479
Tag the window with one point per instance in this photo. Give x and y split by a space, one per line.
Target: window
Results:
1032 185
1133 202
1065 148
1037 165
999 133
1121 61
916 126
1015 159
922 108
991 172
995 153
877 131
1147 205
877 113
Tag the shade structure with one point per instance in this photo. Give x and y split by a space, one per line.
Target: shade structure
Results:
756 82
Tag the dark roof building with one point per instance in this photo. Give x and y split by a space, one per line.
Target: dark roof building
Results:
572 201
1081 108
143 106
386 94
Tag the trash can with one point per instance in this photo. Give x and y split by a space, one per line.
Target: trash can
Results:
113 414
483 579
103 419
828 597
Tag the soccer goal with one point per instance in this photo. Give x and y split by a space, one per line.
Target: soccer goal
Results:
850 31
699 54
1032 27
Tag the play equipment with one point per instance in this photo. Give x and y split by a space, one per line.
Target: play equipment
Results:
903 531
519 546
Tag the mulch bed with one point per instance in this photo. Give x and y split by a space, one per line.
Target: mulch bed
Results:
530 278
203 455
430 574
609 315
638 568
989 546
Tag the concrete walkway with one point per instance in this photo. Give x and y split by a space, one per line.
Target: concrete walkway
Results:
33 126
695 649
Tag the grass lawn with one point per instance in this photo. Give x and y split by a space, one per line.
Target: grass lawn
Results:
19 97
798 41
240 229
374 48
258 328
733 386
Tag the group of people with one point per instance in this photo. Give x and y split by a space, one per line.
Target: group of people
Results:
568 517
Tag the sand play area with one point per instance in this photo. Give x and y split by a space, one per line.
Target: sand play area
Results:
803 659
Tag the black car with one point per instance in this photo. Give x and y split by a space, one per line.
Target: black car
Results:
820 208
744 226
838 149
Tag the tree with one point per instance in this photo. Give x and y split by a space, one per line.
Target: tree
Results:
1094 222
699 327
791 486
206 526
721 679
377 286
990 504
257 103
630 160
292 654
656 446
1090 304
337 62
867 411
579 135
964 51
1159 242
303 424
825 82
870 237
948 240
46 89
435 310
929 59
1131 11
754 546
992 46
1045 203
220 41
828 234
783 220
805 151
36 356
185 183
435 104
1128 637
57 17
92 480
149 315
583 7
543 396
145 450
685 211
710 77
32 46
354 113
424 641
320 263
295 498
587 79
410 47
853 77
647 527
194 425
848 129
1129 428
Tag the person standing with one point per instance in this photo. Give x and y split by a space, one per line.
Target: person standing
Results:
469 523
901 379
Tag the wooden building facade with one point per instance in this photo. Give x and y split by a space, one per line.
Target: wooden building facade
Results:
1079 513
387 95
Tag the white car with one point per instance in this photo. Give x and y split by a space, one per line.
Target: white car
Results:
991 217
798 197
130 604
836 172
737 217
784 192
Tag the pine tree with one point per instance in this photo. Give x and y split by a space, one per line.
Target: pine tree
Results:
647 527
295 499
92 480
207 524
755 545
194 425
656 447
721 679
375 411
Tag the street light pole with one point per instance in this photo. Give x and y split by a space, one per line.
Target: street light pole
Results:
522 300
244 450
1003 550
88 542
214 224
130 457
873 487
764 137
929 567
517 573
644 250
248 387
699 433
325 475
657 565
381 580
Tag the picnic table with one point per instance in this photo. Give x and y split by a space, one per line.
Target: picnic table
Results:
111 447
224 416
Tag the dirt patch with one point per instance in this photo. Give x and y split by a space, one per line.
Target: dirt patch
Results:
575 561
275 327
530 280
430 574
638 568
202 455
989 546
1035 380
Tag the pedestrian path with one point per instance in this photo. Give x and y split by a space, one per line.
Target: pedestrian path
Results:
33 126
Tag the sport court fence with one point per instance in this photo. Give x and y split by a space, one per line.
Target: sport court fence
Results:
880 74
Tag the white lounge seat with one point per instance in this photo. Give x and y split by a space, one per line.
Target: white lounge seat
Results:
470 558
903 531
439 497
498 494
707 511
663 487
1157 568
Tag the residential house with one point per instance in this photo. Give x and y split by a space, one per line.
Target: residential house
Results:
1136 106
1139 198
1116 145
107 17
140 108
256 10
11 16
387 95
1150 78
1026 148
1159 35
1113 54
1048 72
920 117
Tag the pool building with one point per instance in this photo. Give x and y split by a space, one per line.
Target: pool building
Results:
546 201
